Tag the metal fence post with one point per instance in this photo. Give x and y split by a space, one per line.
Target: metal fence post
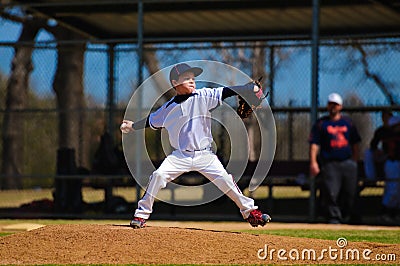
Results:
138 171
313 199
314 92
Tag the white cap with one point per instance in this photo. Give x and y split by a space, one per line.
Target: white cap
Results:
335 98
394 120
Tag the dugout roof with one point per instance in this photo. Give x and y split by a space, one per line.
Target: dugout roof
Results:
220 20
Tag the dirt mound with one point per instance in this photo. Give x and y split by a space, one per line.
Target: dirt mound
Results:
119 244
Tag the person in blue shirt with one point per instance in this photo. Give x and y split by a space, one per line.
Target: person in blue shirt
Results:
334 152
376 155
391 194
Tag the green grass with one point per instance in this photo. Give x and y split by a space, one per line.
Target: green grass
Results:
380 236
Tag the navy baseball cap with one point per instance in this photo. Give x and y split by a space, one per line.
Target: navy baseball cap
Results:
179 69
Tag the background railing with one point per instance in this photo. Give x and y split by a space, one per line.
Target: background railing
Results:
364 71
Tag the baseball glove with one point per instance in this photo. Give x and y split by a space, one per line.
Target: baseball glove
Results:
251 100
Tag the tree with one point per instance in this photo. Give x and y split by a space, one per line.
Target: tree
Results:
17 91
253 128
362 120
69 89
374 76
151 61
153 138
68 86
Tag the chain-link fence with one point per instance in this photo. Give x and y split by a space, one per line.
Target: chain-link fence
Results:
364 72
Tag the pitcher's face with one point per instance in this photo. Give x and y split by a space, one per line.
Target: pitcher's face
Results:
186 83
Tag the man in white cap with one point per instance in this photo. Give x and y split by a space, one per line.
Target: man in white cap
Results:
334 154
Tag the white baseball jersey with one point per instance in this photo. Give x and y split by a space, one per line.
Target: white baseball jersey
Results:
187 119
188 123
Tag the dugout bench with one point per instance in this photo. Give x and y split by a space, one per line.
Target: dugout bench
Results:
281 174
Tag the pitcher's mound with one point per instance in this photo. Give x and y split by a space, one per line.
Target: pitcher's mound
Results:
119 244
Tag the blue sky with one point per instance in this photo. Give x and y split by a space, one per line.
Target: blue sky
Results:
9 32
292 81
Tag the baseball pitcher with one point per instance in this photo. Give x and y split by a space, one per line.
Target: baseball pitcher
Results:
187 119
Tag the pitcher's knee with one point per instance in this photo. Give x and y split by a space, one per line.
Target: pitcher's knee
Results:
160 178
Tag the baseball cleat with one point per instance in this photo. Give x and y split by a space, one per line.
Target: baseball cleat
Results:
137 222
257 218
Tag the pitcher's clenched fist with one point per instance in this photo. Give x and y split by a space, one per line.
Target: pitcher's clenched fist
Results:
126 126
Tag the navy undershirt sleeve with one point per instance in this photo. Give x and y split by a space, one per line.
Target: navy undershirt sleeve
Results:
141 124
235 90
227 92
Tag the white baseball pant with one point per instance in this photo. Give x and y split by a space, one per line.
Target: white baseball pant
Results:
204 162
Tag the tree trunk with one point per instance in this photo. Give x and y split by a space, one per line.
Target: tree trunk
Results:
68 86
151 61
16 100
253 128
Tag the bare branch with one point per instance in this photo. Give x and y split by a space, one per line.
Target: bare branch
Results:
375 77
11 17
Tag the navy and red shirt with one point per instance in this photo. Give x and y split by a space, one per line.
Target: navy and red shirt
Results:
335 138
